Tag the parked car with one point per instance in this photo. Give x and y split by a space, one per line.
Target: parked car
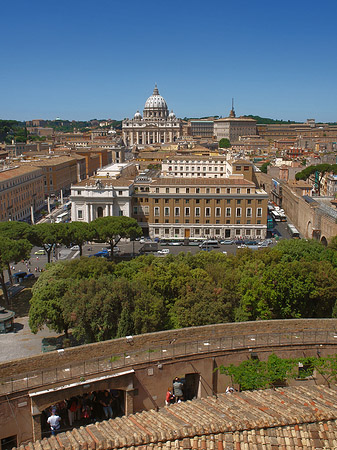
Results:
149 247
102 254
75 248
194 243
19 275
227 242
143 240
175 243
164 251
40 252
29 275
210 243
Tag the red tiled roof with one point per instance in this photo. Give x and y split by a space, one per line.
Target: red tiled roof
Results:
289 418
17 172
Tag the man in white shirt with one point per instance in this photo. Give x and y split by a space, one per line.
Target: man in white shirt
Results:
54 422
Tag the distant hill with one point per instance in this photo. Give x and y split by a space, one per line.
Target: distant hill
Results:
266 120
69 126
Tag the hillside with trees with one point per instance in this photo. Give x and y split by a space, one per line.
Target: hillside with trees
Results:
12 130
266 120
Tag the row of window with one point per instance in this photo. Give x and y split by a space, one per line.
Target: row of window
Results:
204 190
18 181
197 201
197 168
208 211
206 231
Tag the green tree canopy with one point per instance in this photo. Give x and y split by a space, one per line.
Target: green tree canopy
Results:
264 167
224 143
254 374
296 278
320 169
93 307
11 251
47 302
47 236
111 229
77 233
15 230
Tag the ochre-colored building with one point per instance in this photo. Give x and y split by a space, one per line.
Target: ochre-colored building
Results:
59 172
21 188
209 208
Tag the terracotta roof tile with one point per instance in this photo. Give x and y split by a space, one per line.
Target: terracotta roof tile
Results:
289 418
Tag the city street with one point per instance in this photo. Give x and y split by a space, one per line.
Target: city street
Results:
37 262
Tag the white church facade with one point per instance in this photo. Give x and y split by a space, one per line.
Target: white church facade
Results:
156 126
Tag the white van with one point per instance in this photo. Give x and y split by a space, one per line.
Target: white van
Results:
210 243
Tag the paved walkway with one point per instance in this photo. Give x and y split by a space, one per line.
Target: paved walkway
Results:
23 342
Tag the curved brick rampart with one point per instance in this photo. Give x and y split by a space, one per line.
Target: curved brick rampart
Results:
165 338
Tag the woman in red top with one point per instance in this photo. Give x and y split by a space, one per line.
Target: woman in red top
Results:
169 397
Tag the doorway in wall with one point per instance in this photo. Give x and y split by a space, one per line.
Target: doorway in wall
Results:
191 386
9 442
82 410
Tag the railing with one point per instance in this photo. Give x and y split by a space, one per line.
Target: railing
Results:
161 353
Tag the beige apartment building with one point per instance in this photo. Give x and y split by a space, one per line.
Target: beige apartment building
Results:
201 208
21 187
233 128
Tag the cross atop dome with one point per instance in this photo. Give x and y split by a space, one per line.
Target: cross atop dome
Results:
155 90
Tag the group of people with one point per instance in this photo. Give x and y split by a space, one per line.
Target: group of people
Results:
87 408
175 394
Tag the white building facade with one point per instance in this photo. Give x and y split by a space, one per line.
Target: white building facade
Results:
100 198
196 167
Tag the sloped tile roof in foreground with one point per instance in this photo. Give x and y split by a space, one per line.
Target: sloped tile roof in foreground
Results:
285 418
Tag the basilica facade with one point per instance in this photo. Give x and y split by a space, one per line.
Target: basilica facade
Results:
156 126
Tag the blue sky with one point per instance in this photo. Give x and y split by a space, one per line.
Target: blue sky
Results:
82 60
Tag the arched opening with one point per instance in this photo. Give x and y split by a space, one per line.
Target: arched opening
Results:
309 229
99 211
81 410
324 241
